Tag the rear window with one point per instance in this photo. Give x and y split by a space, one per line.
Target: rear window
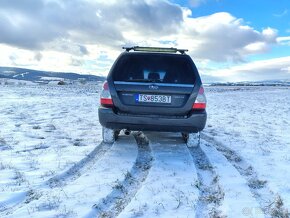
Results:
154 68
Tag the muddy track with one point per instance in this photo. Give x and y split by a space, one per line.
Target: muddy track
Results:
210 193
270 202
113 204
59 180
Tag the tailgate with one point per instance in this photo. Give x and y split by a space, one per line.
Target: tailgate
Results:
152 98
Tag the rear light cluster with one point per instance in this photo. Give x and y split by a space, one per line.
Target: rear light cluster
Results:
106 98
200 101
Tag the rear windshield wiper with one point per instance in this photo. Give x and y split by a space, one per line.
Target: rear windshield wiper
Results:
144 80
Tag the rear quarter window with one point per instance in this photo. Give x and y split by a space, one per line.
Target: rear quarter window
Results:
135 67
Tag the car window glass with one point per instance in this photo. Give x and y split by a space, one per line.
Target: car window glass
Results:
154 68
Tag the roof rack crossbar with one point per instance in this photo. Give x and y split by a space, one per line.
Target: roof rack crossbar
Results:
155 49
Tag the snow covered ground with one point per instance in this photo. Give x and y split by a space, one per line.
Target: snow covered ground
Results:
53 162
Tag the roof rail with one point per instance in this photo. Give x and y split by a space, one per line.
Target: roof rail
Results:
155 49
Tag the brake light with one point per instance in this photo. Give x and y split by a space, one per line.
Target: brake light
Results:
200 101
106 98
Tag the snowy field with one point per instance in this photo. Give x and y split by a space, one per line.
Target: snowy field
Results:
53 162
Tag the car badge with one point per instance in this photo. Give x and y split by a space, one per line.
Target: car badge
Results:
154 87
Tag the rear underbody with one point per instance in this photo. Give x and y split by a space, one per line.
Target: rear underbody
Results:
194 122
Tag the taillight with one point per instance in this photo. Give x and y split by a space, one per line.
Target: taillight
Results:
106 98
200 101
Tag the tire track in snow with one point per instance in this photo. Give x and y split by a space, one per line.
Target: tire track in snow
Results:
210 193
79 168
73 173
170 188
113 204
270 203
77 197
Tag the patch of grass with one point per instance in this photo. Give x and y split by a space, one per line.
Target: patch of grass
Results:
140 211
249 171
19 178
33 164
78 143
4 166
214 196
36 127
50 204
104 214
119 186
214 213
215 179
278 210
48 174
4 145
257 184
128 175
2 142
64 212
204 166
32 195
197 184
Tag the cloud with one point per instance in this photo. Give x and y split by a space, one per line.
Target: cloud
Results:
196 3
284 40
76 62
32 24
69 26
276 68
81 33
38 56
223 37
282 14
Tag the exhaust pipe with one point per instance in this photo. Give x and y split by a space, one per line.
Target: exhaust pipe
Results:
127 132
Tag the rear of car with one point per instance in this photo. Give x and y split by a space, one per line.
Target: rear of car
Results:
155 90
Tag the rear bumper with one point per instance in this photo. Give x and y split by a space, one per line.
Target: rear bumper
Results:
194 123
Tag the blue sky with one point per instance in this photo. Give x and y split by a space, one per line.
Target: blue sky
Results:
229 40
258 13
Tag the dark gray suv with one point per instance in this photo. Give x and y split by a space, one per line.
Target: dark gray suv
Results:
155 89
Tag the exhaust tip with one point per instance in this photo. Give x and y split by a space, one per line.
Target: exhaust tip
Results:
127 132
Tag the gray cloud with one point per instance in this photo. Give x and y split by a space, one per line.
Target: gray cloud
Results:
32 24
76 62
83 50
27 6
157 18
13 58
38 56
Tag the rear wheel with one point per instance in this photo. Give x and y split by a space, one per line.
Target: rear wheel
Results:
109 135
191 139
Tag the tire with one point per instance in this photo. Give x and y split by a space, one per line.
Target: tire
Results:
184 136
109 135
193 140
116 133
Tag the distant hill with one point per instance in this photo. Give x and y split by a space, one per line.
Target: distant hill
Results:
38 76
254 83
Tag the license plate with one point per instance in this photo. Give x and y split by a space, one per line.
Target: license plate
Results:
153 98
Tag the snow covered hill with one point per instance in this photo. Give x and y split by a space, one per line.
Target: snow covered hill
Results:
54 164
45 77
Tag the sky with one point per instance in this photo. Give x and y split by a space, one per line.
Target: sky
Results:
240 40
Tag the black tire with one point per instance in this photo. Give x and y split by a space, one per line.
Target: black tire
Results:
184 136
